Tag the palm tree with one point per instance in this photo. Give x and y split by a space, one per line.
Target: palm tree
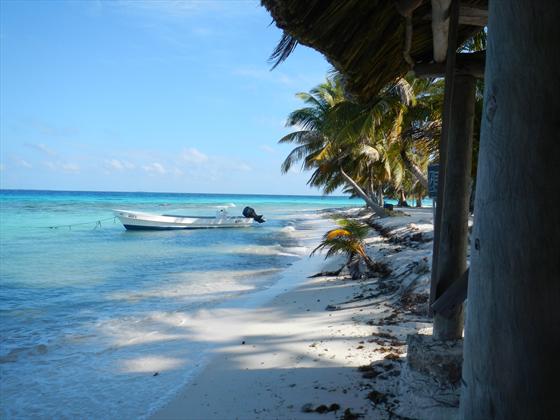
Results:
337 139
366 148
391 139
421 128
347 239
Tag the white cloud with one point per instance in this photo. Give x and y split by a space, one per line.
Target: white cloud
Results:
192 155
70 167
43 148
62 166
267 149
264 75
119 165
223 165
202 31
267 121
23 163
155 168
241 167
170 7
53 131
284 79
184 8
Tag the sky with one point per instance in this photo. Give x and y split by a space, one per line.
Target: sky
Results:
162 95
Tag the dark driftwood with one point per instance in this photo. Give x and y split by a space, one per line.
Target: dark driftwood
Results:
453 296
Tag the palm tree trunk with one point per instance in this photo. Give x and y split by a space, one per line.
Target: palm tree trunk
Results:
512 340
378 210
370 263
402 199
372 193
414 170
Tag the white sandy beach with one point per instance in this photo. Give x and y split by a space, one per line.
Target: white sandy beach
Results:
298 354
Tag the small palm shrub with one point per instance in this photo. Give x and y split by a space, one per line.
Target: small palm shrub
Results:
348 239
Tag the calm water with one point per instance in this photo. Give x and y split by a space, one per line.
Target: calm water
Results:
79 304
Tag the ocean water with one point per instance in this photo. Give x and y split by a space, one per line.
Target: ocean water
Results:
90 312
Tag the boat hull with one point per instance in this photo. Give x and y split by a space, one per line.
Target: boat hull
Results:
133 220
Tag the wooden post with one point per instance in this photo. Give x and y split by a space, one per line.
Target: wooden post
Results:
447 110
453 239
512 338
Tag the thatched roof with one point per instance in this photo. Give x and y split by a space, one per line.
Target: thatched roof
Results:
363 39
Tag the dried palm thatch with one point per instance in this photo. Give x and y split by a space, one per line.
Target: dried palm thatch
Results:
363 39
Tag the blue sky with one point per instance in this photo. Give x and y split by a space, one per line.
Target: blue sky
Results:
147 96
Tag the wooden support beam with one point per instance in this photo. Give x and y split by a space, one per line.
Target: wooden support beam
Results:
469 15
440 28
453 237
474 16
440 17
406 7
447 108
466 64
455 295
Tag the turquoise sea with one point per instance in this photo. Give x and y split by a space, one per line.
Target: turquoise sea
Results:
80 297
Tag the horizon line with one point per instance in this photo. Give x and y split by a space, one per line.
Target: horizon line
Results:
172 192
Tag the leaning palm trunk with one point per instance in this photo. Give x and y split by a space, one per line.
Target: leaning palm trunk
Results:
414 170
377 209
371 265
375 267
402 199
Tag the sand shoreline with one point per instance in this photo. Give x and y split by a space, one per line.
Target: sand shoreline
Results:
290 356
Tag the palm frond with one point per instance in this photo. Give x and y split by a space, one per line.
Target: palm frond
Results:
283 50
335 233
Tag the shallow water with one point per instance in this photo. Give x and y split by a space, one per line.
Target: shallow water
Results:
91 312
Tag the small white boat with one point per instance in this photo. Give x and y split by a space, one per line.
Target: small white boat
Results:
136 220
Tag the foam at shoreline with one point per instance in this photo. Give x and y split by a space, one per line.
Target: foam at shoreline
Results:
286 280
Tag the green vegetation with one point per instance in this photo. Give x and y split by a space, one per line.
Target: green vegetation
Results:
348 239
370 150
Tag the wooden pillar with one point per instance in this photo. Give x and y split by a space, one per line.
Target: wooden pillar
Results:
453 236
512 338
447 111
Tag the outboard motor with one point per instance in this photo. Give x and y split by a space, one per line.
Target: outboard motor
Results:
251 213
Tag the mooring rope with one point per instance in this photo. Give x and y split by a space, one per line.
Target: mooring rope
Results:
96 223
